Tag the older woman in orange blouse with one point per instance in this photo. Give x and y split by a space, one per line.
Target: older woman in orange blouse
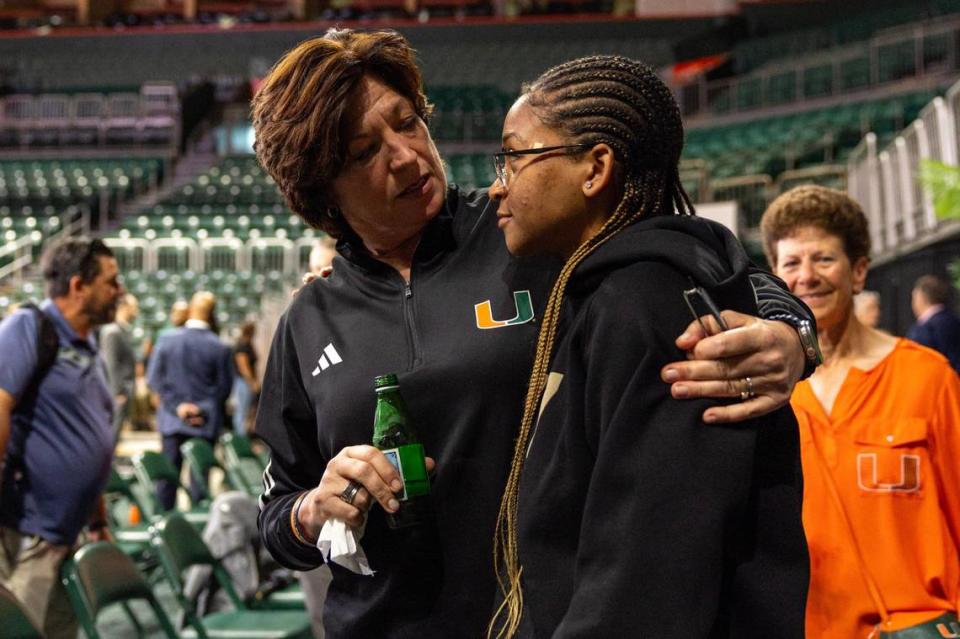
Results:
880 439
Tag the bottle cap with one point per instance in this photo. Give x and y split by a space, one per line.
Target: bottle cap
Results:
384 381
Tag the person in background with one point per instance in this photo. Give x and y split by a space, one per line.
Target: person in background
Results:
879 435
866 305
937 326
120 356
143 407
56 433
423 286
191 371
246 384
178 315
321 256
179 312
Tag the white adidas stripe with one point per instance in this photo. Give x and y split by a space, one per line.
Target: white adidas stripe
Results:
329 358
332 354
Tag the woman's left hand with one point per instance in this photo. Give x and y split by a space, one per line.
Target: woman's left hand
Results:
767 352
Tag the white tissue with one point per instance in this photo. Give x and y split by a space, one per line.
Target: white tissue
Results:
339 543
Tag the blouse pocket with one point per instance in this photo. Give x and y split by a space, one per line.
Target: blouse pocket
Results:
892 456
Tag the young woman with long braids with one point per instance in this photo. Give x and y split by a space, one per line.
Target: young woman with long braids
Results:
623 515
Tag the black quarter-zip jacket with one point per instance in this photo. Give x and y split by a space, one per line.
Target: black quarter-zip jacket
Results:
464 386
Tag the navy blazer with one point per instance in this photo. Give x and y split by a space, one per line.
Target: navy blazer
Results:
942 333
191 365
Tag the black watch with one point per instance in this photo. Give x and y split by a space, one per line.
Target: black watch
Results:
807 333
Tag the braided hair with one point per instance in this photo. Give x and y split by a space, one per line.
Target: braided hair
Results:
622 103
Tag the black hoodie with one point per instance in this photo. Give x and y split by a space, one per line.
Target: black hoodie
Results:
636 519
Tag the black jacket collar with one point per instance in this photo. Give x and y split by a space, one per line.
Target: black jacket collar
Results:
438 239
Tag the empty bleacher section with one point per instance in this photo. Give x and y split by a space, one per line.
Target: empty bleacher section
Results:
754 161
226 231
914 52
40 198
94 184
149 118
854 22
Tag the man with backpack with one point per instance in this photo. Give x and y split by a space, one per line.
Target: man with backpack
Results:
56 437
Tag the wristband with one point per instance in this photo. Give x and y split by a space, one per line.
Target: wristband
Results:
295 526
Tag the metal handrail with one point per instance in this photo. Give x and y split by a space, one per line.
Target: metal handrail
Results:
22 250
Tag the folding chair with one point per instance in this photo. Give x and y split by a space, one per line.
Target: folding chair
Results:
14 621
244 468
100 575
132 539
150 467
180 546
200 459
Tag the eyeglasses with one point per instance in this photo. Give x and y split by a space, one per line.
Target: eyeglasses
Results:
500 159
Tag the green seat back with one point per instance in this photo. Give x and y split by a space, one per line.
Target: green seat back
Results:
180 546
200 460
148 467
14 621
237 446
153 466
244 468
100 575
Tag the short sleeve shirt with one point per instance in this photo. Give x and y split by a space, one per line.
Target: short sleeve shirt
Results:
61 443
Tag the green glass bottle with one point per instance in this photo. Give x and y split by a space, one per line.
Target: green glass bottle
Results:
394 435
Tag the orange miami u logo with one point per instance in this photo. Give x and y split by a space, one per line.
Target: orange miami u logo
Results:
949 629
867 475
524 312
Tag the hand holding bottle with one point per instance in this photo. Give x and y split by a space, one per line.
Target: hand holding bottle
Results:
367 466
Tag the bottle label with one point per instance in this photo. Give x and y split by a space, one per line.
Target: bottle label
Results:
409 462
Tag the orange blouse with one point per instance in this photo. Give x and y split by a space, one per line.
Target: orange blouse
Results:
892 445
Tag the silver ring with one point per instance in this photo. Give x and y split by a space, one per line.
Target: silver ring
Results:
350 492
747 393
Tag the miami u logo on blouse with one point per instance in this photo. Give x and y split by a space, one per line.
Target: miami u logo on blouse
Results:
524 308
909 481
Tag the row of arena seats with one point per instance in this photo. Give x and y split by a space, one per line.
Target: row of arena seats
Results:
31 187
238 294
244 223
772 145
150 117
813 81
236 181
67 179
226 231
44 223
756 52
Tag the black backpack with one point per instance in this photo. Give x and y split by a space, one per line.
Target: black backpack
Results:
48 343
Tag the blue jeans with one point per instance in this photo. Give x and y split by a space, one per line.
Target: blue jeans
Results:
242 398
